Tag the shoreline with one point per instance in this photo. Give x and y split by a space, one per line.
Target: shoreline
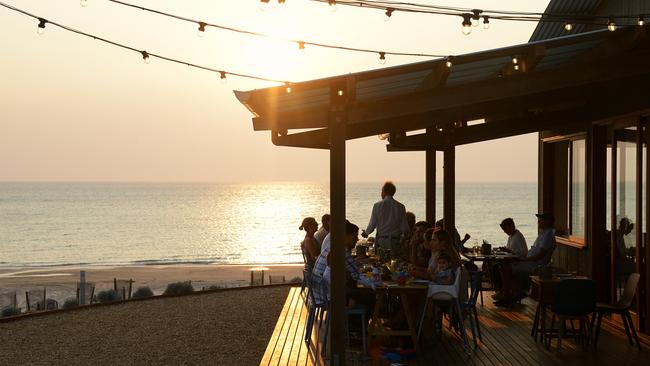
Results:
61 281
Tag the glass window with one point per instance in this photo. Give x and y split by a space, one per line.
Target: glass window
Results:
578 177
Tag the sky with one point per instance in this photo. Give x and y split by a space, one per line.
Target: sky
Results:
76 109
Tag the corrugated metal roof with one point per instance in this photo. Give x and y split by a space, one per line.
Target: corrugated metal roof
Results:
547 30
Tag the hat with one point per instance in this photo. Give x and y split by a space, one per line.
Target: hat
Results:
546 216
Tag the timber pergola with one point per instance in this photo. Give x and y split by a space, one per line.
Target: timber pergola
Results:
563 84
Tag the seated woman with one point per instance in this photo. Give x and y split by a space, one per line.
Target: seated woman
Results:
309 246
437 242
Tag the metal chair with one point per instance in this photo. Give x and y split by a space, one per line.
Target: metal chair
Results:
575 299
622 307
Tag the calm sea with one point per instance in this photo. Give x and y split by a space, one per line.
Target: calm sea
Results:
144 223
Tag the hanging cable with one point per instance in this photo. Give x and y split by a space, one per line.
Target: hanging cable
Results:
146 56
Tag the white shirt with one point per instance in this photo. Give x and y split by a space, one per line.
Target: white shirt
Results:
517 244
388 217
320 235
321 261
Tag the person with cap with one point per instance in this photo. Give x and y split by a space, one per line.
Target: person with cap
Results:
389 218
514 276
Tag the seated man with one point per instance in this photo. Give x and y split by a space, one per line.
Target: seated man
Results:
514 276
516 245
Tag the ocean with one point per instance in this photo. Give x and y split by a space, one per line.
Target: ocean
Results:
51 224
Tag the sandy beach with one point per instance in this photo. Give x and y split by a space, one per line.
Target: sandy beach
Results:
61 282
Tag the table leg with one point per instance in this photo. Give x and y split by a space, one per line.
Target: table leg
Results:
409 320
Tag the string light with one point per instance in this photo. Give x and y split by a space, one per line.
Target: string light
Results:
83 3
201 31
264 4
640 22
287 87
145 57
389 12
223 77
340 92
516 67
301 47
41 26
476 16
467 23
332 4
382 58
568 27
448 63
515 60
486 22
611 25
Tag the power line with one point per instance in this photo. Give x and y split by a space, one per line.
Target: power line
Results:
42 22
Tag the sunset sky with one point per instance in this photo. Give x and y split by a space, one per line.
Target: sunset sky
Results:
75 109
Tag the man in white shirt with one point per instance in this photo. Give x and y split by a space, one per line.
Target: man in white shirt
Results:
516 242
389 218
324 229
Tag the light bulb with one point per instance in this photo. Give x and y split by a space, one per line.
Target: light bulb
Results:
41 26
264 4
382 58
640 22
515 60
145 57
568 27
476 16
611 25
389 12
448 63
340 93
201 31
332 4
486 22
223 77
288 88
467 23
516 67
301 48
83 3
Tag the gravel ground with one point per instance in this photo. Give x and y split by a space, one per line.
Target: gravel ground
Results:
223 328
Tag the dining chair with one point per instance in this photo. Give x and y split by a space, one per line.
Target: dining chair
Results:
575 299
622 307
451 294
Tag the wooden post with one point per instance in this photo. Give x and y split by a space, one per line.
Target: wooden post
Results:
645 326
339 94
449 187
614 223
596 218
430 173
640 263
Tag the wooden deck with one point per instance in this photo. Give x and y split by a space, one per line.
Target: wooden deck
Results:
506 341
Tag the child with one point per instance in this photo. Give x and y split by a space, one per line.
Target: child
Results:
445 273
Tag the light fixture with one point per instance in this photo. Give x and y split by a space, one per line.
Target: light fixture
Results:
145 57
83 3
287 87
568 27
467 23
611 25
486 22
201 31
476 16
301 47
640 22
389 12
439 129
223 77
448 63
41 26
516 67
515 60
332 4
382 58
264 4
340 92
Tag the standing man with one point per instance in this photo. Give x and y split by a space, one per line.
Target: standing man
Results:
324 229
389 218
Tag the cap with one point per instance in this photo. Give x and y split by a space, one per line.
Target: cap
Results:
546 216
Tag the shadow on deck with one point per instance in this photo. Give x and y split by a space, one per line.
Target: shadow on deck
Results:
506 341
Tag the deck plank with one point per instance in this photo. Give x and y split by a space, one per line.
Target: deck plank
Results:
506 341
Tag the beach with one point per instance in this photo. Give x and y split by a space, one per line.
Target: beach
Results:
61 281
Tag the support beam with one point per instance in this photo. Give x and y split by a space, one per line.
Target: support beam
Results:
449 187
646 225
430 188
337 315
596 234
